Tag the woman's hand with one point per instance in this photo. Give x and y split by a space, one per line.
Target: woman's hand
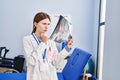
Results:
44 37
70 43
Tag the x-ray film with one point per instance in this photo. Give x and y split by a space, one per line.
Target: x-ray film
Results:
61 31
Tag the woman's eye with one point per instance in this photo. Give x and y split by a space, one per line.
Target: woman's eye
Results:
46 23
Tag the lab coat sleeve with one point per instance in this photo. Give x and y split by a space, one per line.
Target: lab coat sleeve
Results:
32 53
59 56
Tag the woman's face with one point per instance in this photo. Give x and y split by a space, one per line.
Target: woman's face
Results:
42 26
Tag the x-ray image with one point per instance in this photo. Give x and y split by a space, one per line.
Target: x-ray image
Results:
61 31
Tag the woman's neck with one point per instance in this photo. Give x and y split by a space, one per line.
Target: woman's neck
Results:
37 35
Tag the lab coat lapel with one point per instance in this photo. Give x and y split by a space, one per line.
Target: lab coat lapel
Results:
33 41
36 68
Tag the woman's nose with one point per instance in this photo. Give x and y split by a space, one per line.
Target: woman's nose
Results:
46 27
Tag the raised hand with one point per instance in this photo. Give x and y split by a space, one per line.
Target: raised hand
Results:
44 37
70 43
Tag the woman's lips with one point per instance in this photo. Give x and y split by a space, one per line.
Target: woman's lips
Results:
45 30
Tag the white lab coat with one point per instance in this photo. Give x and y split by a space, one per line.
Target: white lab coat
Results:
36 68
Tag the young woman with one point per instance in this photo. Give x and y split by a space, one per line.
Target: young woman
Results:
41 54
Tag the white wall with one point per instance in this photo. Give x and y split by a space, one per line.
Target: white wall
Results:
16 18
111 66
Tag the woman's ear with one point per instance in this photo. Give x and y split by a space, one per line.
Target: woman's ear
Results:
35 24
